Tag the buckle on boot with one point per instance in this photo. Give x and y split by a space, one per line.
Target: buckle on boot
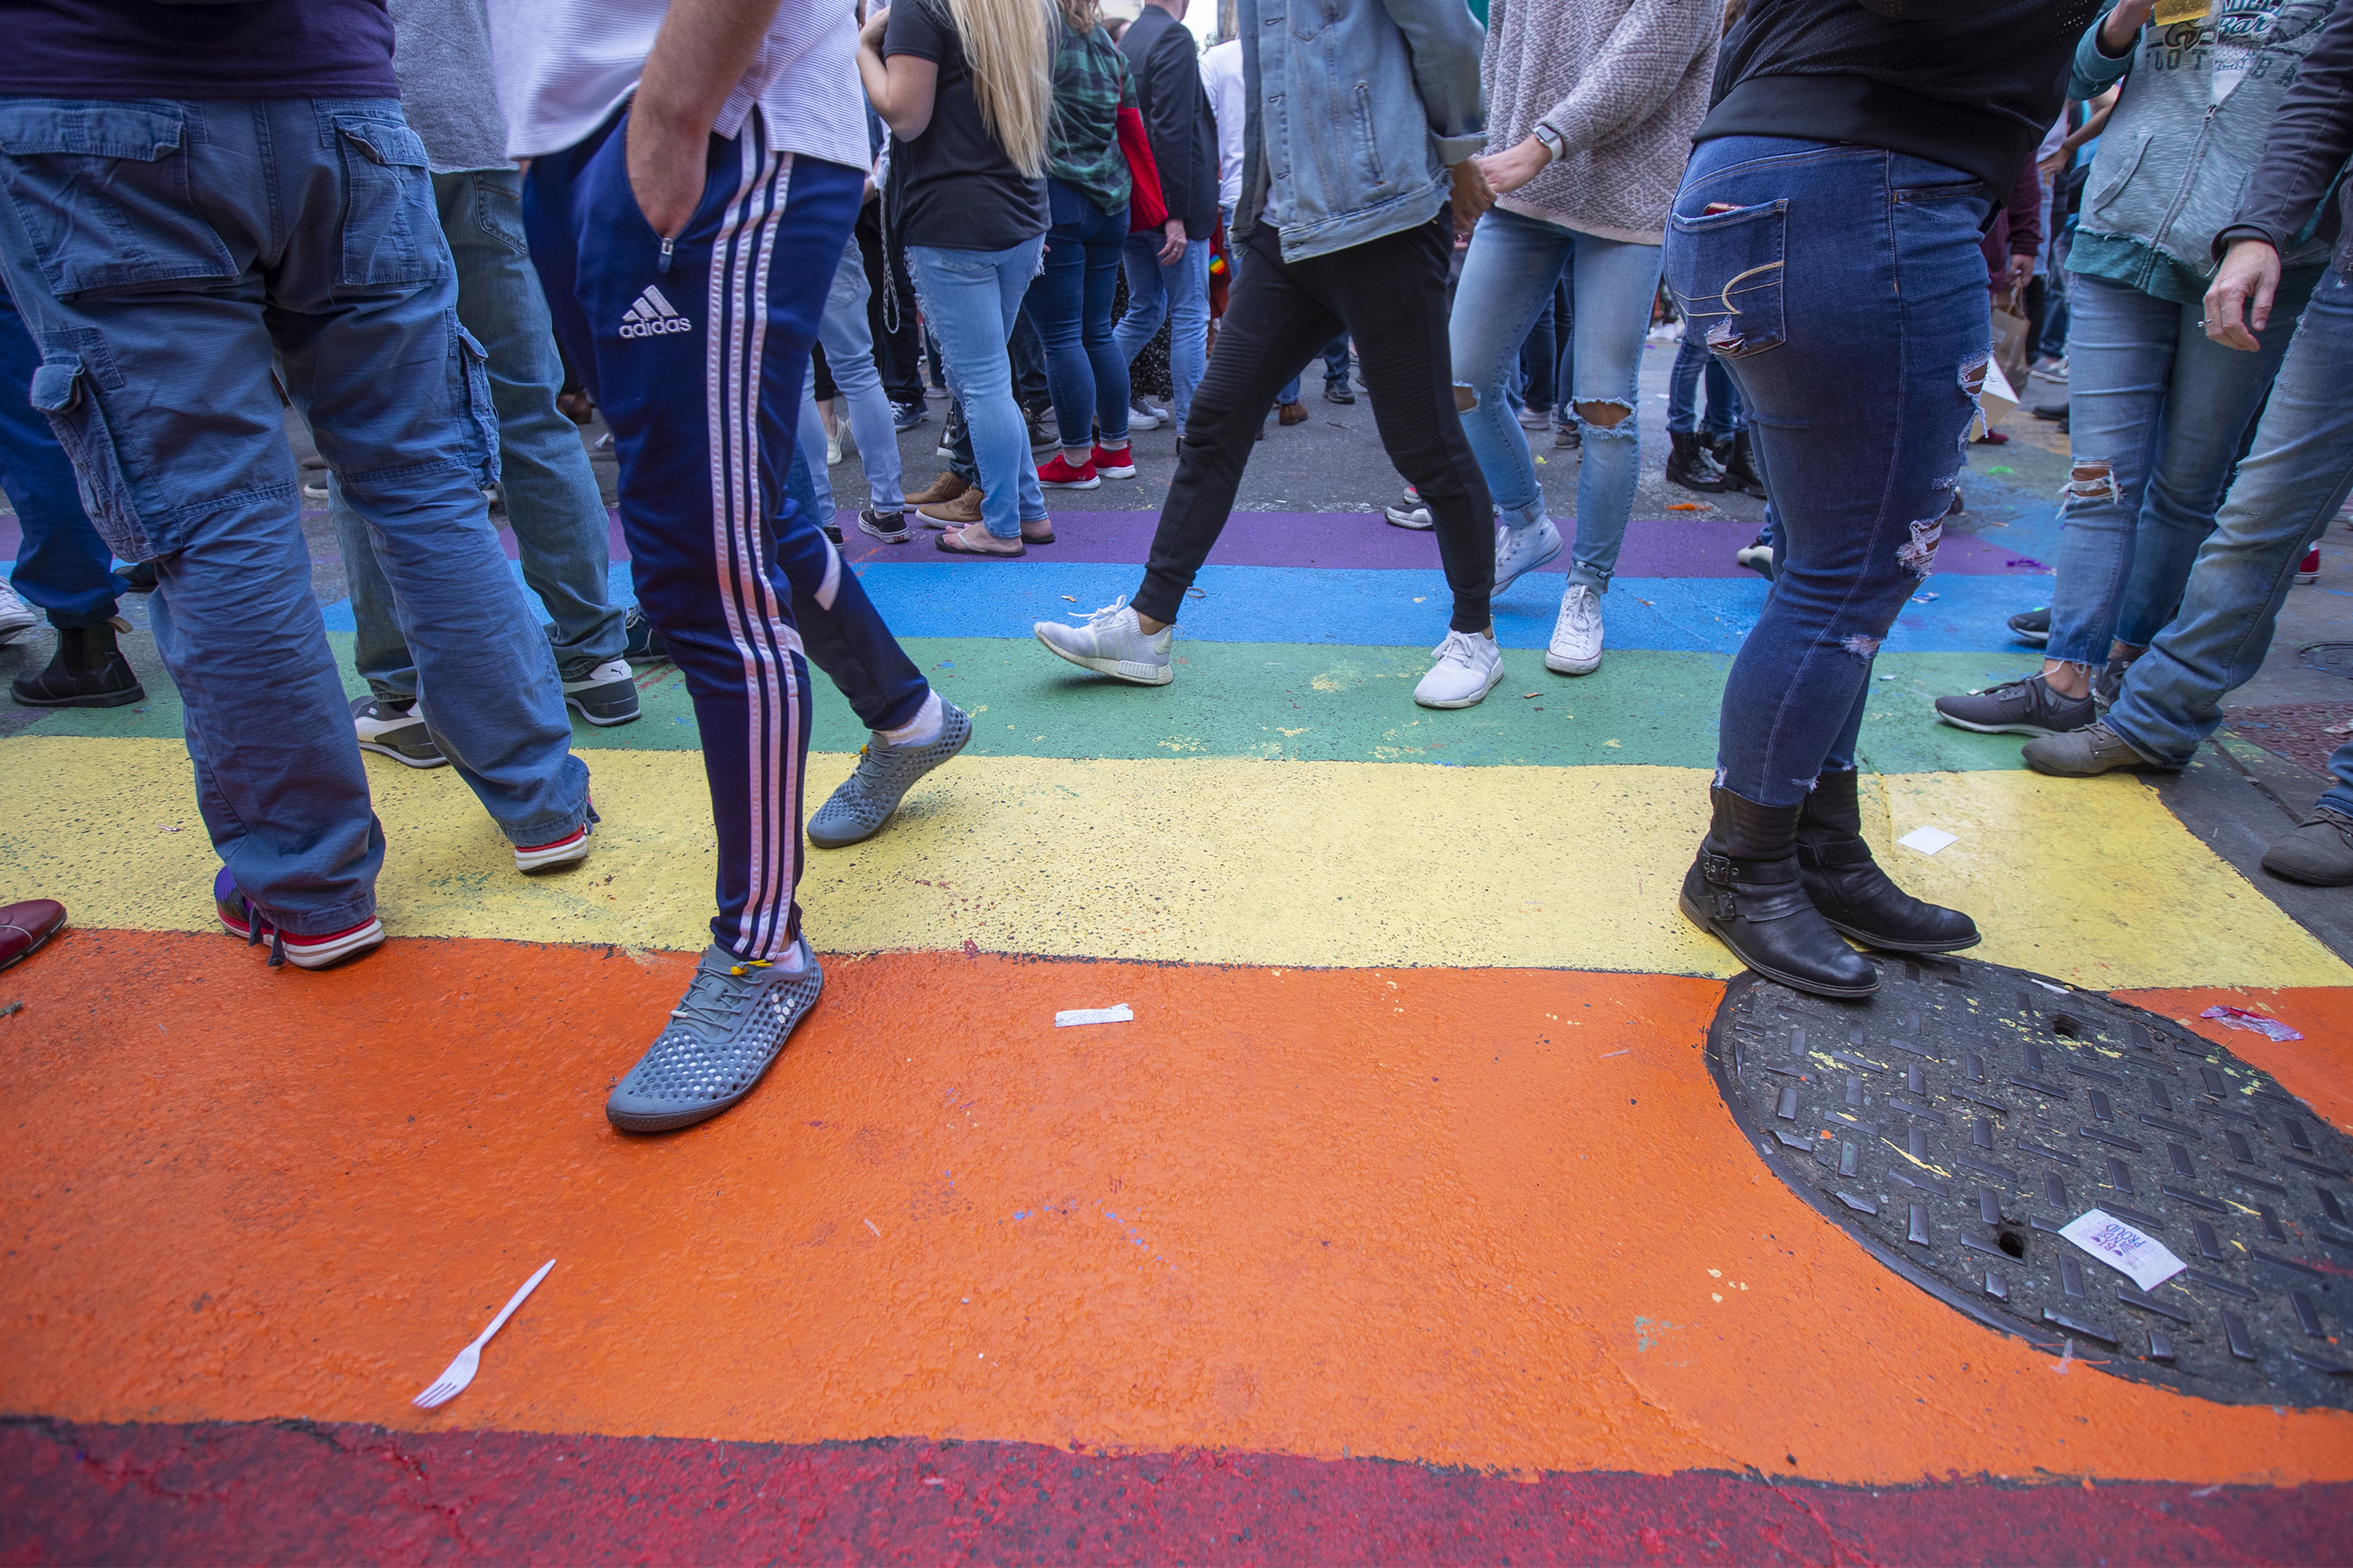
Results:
1715 868
1727 907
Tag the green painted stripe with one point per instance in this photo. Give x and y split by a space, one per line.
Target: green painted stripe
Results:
1300 702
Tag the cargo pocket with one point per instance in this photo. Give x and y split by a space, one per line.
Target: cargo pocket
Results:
65 391
1726 270
470 396
391 231
103 193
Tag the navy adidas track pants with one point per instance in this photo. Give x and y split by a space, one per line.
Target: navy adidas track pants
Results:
697 361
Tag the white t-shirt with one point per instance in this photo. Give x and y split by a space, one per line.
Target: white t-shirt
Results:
1221 74
564 65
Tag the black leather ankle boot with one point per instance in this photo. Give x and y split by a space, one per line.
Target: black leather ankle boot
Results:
1744 890
1853 894
86 671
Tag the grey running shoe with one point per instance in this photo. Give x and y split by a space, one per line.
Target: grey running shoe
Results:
2081 753
1412 513
725 1031
2016 707
1113 643
397 730
856 811
2319 851
603 693
2032 625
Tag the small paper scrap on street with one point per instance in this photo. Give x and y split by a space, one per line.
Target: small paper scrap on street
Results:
2252 1023
1119 1015
1928 841
2142 1258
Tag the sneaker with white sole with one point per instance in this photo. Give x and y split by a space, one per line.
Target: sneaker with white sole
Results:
397 730
1469 665
1143 416
890 527
240 919
866 799
1111 642
1412 513
721 1038
16 616
1758 558
1576 648
644 642
569 850
603 693
1522 546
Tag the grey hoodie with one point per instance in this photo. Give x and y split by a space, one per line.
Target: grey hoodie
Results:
2185 136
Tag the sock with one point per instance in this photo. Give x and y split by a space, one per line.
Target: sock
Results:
791 961
920 730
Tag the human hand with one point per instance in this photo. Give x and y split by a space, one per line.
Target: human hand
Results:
1173 249
871 35
1508 171
665 172
1472 197
2049 167
2021 273
2245 282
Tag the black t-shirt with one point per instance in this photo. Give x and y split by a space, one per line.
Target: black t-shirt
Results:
953 186
1972 84
136 49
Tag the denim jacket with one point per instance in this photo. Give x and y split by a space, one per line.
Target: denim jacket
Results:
2188 131
1357 110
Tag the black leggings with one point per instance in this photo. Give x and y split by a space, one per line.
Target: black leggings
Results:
1390 294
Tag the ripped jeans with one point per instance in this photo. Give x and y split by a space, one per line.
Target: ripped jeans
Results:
1508 278
1843 289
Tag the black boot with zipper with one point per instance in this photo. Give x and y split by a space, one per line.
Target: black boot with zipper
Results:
86 671
1853 894
1689 465
1744 889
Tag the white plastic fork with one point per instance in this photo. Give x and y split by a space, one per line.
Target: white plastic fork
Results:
460 1372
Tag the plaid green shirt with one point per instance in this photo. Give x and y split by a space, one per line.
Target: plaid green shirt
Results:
1092 85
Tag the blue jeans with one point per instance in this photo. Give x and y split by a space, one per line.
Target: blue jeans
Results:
2158 413
1179 291
1692 362
1069 307
971 300
1545 357
2290 486
1846 294
1336 370
299 237
849 354
552 499
1508 282
62 566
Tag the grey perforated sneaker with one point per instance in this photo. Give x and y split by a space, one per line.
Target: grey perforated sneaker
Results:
856 811
730 1025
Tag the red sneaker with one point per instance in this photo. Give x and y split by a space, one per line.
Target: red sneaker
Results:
1118 464
1060 475
569 850
2309 570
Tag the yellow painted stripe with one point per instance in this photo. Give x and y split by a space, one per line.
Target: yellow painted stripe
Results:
1217 861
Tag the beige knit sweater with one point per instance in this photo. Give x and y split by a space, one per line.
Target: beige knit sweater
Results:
1624 81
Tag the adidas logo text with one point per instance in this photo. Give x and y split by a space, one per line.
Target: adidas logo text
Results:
651 316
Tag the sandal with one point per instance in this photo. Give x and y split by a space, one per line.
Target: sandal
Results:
961 542
1037 530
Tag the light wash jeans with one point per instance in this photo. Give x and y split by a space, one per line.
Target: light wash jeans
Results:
2162 409
2290 486
1179 291
849 342
561 528
971 301
1845 292
252 239
1508 282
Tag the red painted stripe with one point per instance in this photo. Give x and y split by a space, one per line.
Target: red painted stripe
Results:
222 1493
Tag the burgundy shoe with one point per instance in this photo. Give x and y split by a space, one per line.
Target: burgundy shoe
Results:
25 926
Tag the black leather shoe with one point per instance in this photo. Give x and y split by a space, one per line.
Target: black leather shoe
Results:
1740 465
87 671
1744 890
1853 894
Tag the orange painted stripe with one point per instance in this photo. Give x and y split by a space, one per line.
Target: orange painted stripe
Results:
1425 1215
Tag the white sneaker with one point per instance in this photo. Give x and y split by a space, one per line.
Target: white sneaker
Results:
1534 419
1413 513
1576 636
1469 665
1143 416
1111 642
1521 550
833 449
16 616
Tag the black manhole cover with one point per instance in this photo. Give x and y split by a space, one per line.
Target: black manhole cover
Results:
1956 1121
2331 658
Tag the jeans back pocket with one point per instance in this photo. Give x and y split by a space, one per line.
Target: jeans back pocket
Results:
1725 269
392 231
103 192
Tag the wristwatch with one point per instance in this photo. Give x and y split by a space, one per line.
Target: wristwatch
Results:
1554 143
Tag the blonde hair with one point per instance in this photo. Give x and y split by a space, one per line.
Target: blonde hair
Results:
1081 14
1011 50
